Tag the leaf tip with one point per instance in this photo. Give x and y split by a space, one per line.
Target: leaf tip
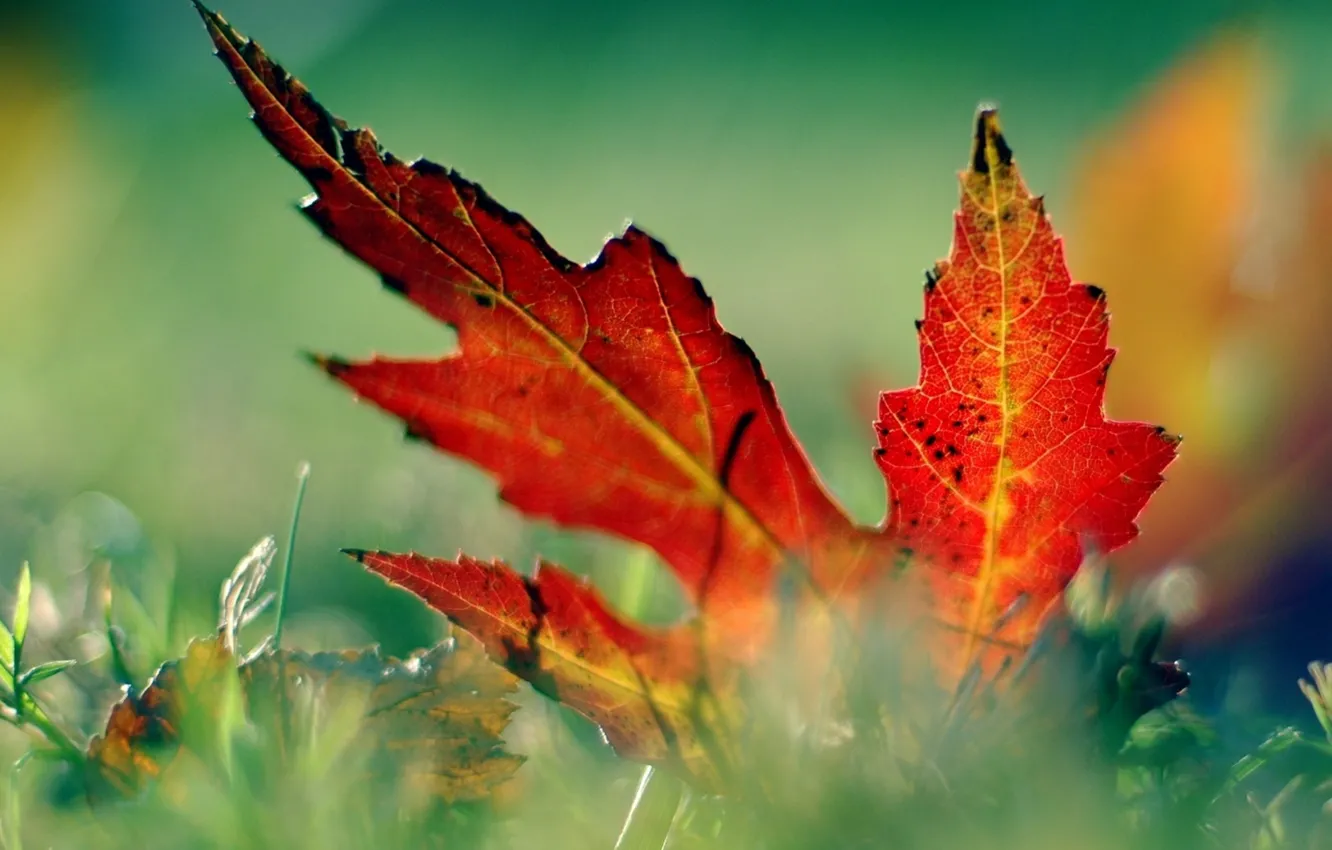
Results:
989 148
358 554
334 366
215 23
22 606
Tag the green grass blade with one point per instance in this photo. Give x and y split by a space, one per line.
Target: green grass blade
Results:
302 478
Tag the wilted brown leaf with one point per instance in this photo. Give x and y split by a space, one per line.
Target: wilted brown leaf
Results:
144 732
429 724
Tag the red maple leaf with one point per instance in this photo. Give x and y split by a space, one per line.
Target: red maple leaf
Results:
1001 461
607 396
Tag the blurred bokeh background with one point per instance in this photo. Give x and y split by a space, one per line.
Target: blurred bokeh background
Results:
156 286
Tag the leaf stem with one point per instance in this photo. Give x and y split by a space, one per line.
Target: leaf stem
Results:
22 602
35 716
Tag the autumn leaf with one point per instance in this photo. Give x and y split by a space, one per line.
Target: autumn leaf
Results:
555 631
607 396
1000 462
604 396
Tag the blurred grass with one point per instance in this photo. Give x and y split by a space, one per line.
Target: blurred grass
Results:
1088 748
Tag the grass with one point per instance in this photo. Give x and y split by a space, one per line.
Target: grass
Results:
1089 745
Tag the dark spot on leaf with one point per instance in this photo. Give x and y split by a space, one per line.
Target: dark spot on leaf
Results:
1096 292
733 447
524 660
929 441
957 474
483 299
